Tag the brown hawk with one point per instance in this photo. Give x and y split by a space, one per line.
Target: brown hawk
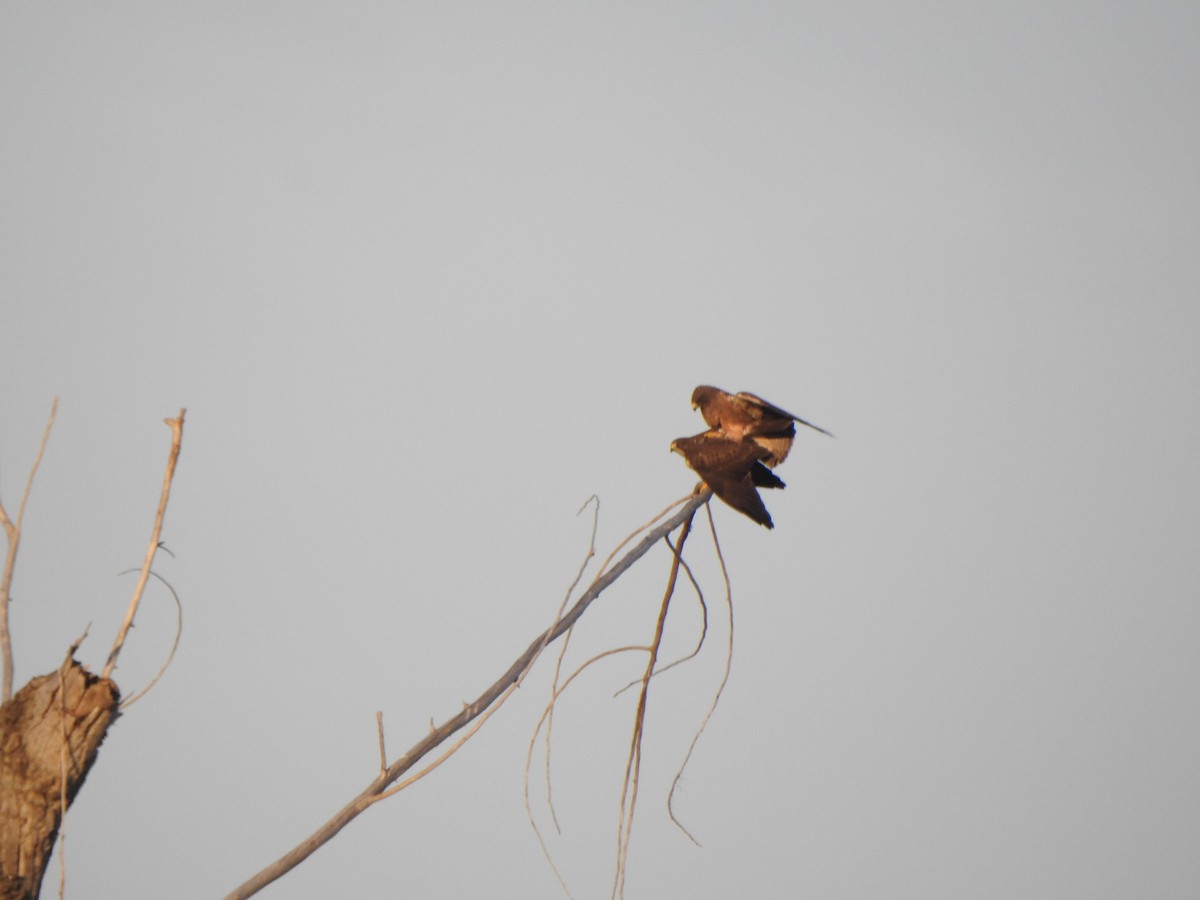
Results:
733 469
743 416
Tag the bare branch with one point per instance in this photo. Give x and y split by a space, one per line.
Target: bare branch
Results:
412 779
497 691
12 531
176 426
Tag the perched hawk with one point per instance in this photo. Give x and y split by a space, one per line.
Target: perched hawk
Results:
733 469
744 416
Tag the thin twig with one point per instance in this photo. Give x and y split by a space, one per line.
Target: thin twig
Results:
12 531
471 711
562 650
382 751
554 682
544 720
176 426
720 688
687 570
634 764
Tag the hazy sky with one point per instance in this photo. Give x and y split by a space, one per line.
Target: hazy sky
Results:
427 276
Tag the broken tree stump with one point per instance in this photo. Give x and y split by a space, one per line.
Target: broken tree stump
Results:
50 732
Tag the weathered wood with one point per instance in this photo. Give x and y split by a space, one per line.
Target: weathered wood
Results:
52 727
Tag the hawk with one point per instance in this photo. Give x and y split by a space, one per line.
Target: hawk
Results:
743 416
734 469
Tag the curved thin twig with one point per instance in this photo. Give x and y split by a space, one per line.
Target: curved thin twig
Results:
562 650
591 552
545 719
634 764
720 688
174 644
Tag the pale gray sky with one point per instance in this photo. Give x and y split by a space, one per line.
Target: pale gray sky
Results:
426 276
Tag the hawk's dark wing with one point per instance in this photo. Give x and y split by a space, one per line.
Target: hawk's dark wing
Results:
732 469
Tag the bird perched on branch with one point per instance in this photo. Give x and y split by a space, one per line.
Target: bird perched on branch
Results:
733 469
744 416
747 437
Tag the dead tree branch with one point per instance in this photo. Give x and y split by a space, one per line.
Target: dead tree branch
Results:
12 531
471 711
140 588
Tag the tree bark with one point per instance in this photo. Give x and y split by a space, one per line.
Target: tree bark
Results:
50 733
